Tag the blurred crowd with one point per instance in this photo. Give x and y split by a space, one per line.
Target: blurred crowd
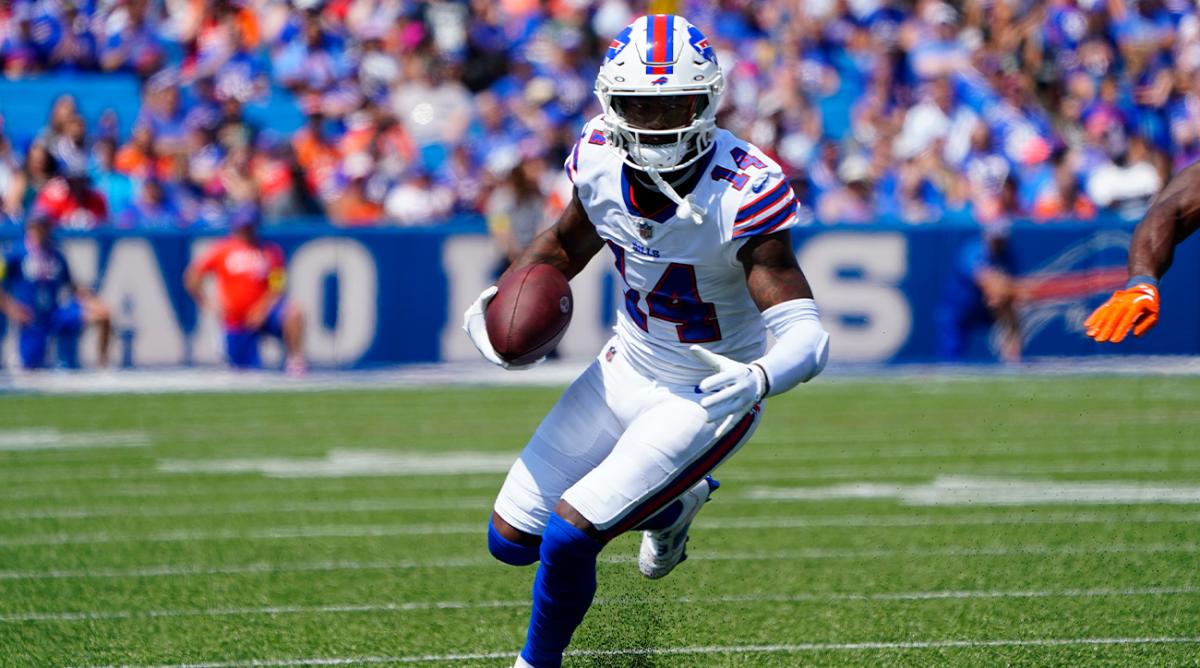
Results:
415 110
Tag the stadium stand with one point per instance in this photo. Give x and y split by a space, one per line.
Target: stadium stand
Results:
399 112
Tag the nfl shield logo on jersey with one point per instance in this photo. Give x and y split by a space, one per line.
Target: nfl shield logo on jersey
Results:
645 230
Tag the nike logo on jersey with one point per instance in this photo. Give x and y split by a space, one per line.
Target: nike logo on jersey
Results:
758 183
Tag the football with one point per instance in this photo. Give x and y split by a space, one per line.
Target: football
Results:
530 313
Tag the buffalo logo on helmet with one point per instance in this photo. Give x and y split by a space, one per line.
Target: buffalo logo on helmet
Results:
659 81
618 44
700 43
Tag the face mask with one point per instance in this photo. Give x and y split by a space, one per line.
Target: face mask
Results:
659 157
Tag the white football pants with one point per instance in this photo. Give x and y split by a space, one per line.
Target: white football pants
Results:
618 447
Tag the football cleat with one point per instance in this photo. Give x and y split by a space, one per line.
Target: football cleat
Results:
664 549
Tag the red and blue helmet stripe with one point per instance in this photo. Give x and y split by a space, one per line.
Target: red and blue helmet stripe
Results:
660 43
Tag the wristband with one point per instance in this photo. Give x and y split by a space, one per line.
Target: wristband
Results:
1141 279
766 380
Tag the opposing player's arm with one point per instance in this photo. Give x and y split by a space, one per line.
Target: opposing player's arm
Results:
568 245
1173 217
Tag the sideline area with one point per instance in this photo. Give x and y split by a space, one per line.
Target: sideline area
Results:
557 373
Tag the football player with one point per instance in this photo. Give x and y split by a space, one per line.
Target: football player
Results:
38 294
697 223
250 282
1172 218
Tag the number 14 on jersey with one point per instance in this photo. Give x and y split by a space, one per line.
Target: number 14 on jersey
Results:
675 298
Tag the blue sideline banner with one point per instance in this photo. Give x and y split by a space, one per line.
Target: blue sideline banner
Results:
387 296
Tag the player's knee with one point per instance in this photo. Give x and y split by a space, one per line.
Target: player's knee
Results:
510 551
564 543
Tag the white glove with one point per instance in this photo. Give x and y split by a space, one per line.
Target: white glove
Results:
733 389
475 326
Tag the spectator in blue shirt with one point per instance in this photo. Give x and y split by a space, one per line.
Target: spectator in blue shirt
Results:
132 45
39 295
979 294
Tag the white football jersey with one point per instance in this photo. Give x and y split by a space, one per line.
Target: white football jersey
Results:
683 283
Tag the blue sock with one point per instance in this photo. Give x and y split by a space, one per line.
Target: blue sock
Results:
663 518
508 551
562 591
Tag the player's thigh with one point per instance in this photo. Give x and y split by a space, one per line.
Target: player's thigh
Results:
577 434
667 449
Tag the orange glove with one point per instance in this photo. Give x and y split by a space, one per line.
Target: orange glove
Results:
1135 307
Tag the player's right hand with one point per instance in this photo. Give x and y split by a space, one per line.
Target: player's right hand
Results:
732 389
475 325
1135 307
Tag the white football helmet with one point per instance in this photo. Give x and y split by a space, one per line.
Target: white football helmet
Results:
660 86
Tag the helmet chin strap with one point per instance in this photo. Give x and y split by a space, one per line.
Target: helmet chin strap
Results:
685 207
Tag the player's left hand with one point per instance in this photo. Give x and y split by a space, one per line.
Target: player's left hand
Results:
1135 307
733 389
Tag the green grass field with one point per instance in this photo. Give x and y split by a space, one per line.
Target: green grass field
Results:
913 522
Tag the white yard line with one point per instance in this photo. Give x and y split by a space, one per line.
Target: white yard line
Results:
722 524
186 570
749 523
802 450
944 490
977 492
412 606
799 472
760 469
343 463
688 651
42 439
162 487
197 510
767 451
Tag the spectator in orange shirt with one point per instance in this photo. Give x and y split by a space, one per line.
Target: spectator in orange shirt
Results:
317 156
138 159
250 300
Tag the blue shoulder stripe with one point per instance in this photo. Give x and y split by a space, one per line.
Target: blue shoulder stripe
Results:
764 202
767 224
